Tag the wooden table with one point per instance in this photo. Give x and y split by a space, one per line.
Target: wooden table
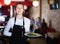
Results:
37 40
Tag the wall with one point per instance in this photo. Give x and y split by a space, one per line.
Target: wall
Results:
53 15
35 11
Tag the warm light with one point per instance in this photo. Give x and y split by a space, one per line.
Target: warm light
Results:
35 3
25 7
51 1
7 2
0 5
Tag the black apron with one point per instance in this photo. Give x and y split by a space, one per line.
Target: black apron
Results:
18 34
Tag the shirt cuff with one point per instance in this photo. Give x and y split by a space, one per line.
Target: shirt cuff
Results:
8 34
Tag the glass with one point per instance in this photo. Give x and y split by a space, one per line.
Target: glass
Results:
32 28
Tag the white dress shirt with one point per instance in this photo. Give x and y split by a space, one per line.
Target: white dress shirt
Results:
10 24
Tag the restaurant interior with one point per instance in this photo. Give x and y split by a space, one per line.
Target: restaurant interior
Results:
44 16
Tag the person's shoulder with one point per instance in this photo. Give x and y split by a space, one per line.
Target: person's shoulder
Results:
27 19
11 19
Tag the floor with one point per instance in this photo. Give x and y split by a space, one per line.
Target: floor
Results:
37 41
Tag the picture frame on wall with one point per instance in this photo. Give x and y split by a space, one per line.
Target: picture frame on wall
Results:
54 4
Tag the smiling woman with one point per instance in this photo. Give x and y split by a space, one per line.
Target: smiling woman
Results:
19 26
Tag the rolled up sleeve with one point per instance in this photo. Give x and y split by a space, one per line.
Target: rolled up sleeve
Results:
27 26
7 28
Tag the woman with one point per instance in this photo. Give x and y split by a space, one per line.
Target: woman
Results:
19 25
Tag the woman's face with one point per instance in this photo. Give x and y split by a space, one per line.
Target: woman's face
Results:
19 9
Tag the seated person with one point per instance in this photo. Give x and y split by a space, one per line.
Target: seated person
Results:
44 27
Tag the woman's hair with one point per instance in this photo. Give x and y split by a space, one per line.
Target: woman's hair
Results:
18 4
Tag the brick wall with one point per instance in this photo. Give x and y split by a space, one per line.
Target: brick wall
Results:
53 15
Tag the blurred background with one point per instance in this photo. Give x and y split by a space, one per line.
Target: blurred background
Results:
36 10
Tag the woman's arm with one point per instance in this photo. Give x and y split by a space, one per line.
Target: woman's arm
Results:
7 28
27 25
